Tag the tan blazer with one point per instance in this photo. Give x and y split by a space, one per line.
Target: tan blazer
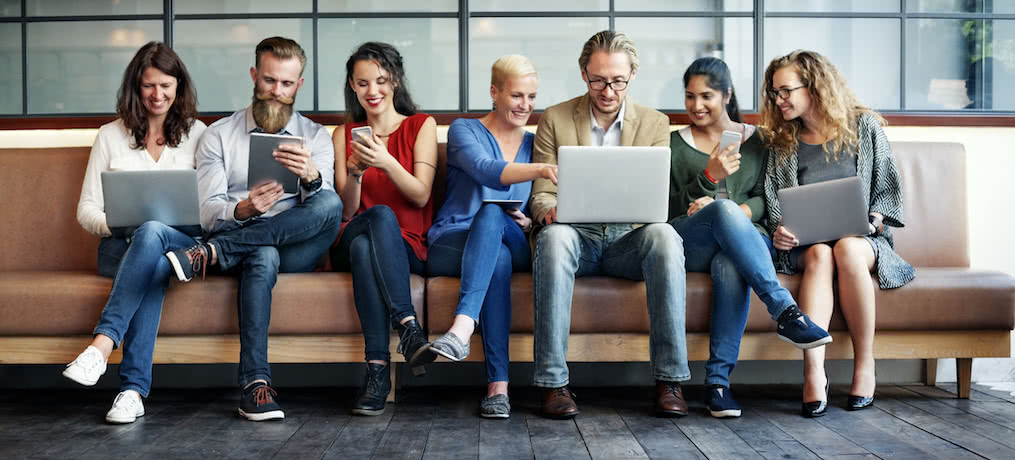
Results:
568 123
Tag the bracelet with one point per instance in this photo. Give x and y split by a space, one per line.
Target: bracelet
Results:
710 178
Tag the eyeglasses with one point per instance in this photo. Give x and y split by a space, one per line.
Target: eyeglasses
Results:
783 92
599 85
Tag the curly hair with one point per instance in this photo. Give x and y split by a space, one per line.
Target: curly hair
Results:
836 106
130 108
389 59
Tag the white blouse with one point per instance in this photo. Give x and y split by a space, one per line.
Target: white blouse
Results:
112 152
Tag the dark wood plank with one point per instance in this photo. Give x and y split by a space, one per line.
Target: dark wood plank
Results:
765 438
606 435
454 432
950 430
1000 394
659 437
360 436
714 438
314 437
997 411
406 435
555 438
505 439
782 409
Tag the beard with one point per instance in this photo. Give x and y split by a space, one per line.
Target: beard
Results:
271 117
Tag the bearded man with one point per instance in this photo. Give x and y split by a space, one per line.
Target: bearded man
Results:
255 231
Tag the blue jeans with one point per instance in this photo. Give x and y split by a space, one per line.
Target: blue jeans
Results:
721 240
289 242
652 253
485 294
140 275
380 260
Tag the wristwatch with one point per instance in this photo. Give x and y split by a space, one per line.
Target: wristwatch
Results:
314 184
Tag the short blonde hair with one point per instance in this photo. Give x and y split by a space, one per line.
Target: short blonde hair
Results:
510 66
612 42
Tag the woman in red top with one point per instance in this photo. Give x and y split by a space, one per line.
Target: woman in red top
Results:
385 181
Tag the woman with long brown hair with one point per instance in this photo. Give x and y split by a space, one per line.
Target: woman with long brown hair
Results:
157 129
819 131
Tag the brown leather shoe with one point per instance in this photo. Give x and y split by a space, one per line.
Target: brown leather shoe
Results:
670 399
559 403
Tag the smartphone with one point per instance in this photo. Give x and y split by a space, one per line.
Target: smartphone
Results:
360 133
729 137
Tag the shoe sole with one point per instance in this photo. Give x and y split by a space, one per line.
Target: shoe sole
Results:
728 413
368 412
177 267
79 379
449 356
122 421
423 356
262 416
561 416
807 346
501 416
671 413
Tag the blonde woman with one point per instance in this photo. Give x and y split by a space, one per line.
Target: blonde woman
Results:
488 159
819 131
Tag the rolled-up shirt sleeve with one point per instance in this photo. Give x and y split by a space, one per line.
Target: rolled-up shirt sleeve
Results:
322 153
217 210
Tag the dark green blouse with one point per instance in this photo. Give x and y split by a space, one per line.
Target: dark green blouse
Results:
688 181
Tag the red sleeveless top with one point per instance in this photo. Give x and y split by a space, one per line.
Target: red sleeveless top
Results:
377 188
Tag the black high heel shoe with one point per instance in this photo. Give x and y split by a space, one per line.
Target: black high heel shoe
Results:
859 402
815 408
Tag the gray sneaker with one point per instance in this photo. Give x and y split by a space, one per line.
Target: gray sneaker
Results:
496 406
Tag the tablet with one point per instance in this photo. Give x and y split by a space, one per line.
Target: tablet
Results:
262 166
507 205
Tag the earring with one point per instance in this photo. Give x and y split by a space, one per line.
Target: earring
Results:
494 106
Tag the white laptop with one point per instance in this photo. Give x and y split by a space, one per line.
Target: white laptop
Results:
825 211
613 184
135 197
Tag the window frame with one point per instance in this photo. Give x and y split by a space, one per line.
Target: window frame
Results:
961 117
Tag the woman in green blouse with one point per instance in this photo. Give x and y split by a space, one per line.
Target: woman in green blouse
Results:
714 198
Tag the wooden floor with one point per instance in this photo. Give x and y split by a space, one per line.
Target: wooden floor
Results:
915 422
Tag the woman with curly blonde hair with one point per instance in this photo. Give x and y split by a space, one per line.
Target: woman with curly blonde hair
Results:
817 130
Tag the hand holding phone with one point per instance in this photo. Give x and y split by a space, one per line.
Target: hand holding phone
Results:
725 158
361 133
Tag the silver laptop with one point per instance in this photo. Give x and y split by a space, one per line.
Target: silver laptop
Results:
135 197
613 184
825 211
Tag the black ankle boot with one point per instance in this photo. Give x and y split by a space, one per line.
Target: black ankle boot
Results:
374 392
413 344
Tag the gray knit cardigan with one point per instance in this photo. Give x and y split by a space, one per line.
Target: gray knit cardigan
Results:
875 165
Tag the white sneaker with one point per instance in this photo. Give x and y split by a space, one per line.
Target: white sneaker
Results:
87 367
126 408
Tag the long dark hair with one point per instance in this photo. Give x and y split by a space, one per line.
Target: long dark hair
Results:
388 58
717 76
131 109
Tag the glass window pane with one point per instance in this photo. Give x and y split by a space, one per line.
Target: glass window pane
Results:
945 6
552 44
82 75
220 53
948 67
10 68
429 49
866 51
684 5
91 7
242 6
838 6
10 7
663 56
538 5
329 6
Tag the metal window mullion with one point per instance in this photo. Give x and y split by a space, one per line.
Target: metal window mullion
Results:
613 16
24 58
314 76
463 55
759 51
902 56
167 22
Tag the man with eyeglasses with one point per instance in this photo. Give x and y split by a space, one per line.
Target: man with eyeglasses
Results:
653 253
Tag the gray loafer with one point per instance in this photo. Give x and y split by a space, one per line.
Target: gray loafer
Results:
496 406
450 347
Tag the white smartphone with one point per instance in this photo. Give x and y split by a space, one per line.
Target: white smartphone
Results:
730 137
360 133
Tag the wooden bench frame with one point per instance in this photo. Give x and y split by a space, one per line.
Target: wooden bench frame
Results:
587 347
